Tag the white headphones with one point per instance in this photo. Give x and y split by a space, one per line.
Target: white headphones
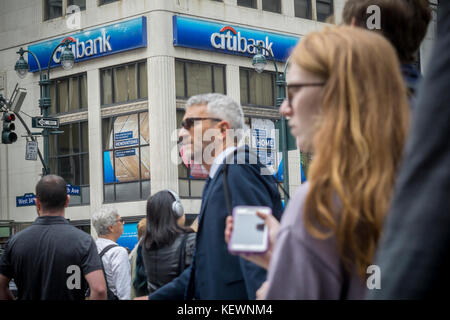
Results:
177 207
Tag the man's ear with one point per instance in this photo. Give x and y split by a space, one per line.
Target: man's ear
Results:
224 126
353 23
38 205
67 201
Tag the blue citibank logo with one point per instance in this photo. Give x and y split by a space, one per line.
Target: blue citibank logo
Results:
224 38
99 42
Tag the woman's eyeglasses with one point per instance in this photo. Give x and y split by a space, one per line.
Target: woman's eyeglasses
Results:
120 220
293 88
189 122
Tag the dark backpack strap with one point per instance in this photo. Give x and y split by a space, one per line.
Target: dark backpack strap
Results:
182 256
106 249
110 294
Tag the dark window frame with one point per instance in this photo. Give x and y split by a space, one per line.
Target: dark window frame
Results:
46 16
309 10
254 4
279 7
80 154
327 2
104 2
79 77
212 65
113 150
81 8
274 78
138 89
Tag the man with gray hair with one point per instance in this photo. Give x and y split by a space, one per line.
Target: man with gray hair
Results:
211 129
109 227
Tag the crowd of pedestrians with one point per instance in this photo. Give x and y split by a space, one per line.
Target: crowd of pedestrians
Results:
377 185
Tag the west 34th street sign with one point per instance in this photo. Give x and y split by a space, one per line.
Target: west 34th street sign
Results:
41 122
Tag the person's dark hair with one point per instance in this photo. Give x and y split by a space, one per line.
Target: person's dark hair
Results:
51 191
162 227
403 22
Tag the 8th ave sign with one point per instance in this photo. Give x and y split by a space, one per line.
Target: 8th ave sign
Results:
41 122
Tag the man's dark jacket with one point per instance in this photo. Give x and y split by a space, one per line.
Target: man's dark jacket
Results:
414 254
215 274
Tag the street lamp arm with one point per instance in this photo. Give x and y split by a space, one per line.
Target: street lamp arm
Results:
66 42
35 58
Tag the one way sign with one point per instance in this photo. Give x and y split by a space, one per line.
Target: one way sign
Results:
41 122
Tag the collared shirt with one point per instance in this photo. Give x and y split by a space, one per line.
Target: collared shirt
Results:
49 260
219 160
117 268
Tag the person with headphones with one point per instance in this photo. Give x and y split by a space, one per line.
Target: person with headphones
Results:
167 246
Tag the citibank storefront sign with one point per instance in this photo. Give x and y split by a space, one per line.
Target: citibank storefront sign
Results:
115 38
224 38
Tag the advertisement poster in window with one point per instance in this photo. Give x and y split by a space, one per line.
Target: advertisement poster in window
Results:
127 162
263 141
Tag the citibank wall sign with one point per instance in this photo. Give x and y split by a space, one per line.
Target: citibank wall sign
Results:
114 38
224 38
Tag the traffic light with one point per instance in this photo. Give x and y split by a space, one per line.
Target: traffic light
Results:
8 136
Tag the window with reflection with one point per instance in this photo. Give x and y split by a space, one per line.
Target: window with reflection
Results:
69 158
126 157
257 89
68 94
193 77
124 83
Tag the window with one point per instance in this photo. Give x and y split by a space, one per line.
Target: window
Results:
52 9
188 186
272 5
303 9
69 158
257 88
324 9
126 157
68 94
261 139
79 3
197 77
124 83
101 2
247 3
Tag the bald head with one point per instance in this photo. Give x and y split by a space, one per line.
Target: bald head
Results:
51 191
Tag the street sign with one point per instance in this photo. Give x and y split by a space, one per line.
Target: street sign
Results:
31 151
28 199
41 122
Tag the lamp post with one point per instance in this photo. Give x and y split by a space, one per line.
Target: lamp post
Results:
259 62
67 59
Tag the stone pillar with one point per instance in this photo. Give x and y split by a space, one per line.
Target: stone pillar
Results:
162 123
233 84
95 143
288 8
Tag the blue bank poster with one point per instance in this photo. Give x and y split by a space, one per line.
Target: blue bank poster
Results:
128 239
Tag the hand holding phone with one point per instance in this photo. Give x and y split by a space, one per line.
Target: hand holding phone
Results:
250 233
260 258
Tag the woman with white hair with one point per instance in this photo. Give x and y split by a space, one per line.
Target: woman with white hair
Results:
109 227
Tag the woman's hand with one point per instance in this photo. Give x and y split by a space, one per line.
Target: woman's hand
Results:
261 259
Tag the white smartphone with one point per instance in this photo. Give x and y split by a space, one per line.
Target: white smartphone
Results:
250 233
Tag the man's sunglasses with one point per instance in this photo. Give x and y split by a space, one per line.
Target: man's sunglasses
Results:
189 122
120 220
293 88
